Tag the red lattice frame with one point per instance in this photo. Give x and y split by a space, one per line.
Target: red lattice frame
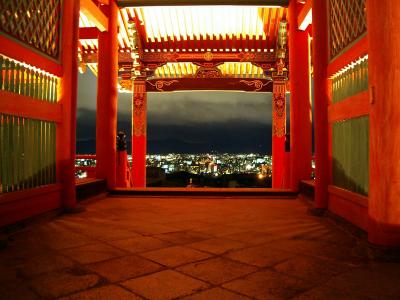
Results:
33 22
348 22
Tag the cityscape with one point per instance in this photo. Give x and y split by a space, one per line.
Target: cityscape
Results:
197 170
215 164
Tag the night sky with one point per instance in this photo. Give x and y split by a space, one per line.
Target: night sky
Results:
185 122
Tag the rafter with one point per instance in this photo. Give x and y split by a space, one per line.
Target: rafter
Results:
94 14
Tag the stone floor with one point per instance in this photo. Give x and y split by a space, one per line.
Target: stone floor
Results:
164 248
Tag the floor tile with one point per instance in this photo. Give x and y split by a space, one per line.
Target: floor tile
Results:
140 244
109 292
93 253
261 256
124 268
217 294
217 270
175 256
182 237
327 293
164 285
217 245
311 269
57 284
269 285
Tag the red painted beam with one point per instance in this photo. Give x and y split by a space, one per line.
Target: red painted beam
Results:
25 54
353 107
23 106
88 33
248 85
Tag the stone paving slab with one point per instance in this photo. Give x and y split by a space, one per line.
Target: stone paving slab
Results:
167 284
123 268
175 256
217 270
191 248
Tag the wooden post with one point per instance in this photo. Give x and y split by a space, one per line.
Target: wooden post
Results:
139 132
320 55
383 19
300 105
66 129
107 96
278 132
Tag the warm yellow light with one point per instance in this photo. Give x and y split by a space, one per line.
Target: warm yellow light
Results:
307 21
195 21
260 176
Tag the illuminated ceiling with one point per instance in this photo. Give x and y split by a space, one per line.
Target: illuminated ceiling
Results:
207 28
193 29
228 69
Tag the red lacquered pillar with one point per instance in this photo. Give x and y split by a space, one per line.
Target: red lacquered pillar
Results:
66 129
320 59
139 132
278 132
300 105
384 77
107 96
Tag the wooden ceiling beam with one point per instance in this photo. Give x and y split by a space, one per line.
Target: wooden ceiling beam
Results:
94 14
223 83
88 33
304 18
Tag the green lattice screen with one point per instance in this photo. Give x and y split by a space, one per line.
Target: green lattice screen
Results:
34 22
347 22
350 154
27 153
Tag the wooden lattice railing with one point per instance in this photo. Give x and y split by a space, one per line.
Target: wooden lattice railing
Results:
28 153
347 22
33 22
350 81
25 80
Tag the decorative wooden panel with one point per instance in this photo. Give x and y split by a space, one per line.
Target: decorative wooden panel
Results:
25 80
350 154
348 21
27 152
33 22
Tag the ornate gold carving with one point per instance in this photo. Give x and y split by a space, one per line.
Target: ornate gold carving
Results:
258 84
208 56
159 85
279 109
208 73
139 108
126 84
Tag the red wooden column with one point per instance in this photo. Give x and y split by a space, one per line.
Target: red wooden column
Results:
107 96
66 130
139 135
300 105
384 190
278 128
320 59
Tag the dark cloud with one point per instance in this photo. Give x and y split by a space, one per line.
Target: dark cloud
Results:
186 121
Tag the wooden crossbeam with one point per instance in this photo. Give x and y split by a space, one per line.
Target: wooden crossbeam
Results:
88 33
94 14
305 16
